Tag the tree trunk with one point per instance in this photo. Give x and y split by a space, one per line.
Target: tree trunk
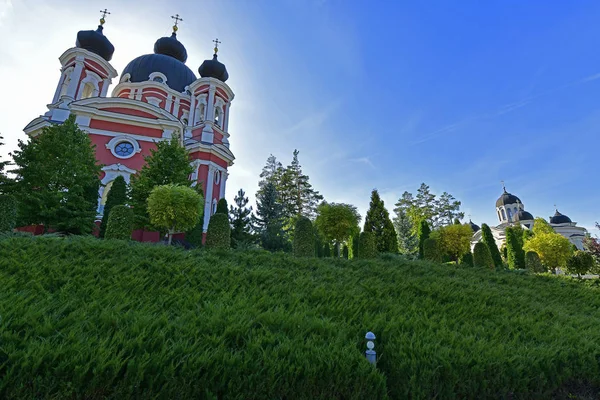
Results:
171 231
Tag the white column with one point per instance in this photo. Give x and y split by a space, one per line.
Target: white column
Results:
75 75
192 113
61 81
209 194
105 84
132 93
176 107
168 103
210 113
224 176
226 123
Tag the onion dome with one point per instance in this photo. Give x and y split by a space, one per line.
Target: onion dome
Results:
522 215
559 218
213 68
474 227
507 198
168 59
96 42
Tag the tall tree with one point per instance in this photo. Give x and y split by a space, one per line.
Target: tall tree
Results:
4 180
408 241
423 235
488 238
297 194
240 220
117 196
168 164
337 222
58 179
379 224
269 219
514 247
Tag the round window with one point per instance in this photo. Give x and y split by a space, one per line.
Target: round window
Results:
124 149
158 79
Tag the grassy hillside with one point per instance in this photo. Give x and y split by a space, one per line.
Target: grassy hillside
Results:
83 318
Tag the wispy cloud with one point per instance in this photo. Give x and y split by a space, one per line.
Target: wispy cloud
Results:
590 78
364 160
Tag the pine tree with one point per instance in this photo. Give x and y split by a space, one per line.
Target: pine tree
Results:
117 195
271 173
408 242
423 234
168 164
58 179
240 220
268 221
297 194
378 222
488 239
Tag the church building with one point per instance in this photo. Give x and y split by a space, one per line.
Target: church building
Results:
156 97
510 211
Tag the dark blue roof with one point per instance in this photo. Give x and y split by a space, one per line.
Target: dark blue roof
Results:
213 69
178 74
559 218
522 215
95 42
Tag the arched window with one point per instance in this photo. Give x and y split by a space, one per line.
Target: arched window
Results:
158 79
65 85
218 116
503 215
104 197
509 211
88 91
214 207
515 210
499 217
201 111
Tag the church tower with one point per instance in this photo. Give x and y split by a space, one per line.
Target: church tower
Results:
157 97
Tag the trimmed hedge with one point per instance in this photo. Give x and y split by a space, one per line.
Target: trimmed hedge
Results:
467 259
367 247
488 238
222 207
533 262
111 319
431 250
218 235
8 213
482 257
120 223
304 238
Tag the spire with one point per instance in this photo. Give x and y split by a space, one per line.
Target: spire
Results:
104 13
170 46
216 42
177 19
213 68
503 186
95 41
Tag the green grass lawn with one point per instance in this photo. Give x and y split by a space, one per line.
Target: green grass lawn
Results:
84 318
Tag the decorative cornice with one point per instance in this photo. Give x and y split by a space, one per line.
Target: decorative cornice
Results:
74 52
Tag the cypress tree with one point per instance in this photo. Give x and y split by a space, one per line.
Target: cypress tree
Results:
304 240
218 235
488 239
431 250
378 222
424 233
367 248
482 258
120 223
222 207
326 250
355 245
117 196
345 252
467 259
514 248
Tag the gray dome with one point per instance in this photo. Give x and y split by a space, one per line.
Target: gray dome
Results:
522 215
475 227
559 218
507 198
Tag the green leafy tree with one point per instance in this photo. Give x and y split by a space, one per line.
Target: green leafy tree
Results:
194 235
168 164
488 238
431 250
120 223
218 235
482 257
57 179
533 262
514 246
408 240
367 246
240 219
540 226
580 263
269 219
304 239
592 246
553 249
117 195
454 240
174 208
5 181
8 213
423 235
337 222
222 207
378 222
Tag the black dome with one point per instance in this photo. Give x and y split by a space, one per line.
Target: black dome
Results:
95 42
558 218
170 46
213 69
475 227
178 74
522 215
507 198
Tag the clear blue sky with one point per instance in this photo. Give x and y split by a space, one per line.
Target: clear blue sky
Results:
389 94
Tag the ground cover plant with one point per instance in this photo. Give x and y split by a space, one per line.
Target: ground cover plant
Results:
84 318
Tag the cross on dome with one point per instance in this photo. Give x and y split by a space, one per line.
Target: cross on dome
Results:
217 42
177 19
104 13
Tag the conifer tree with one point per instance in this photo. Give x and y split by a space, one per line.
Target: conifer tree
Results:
117 196
4 180
271 173
58 179
514 246
424 233
167 164
222 207
488 239
408 241
379 224
297 194
240 220
268 221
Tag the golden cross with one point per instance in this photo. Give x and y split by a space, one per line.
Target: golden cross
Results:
104 13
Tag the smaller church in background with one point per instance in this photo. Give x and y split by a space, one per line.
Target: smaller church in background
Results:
511 211
156 98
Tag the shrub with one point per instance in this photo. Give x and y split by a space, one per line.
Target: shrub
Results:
117 195
514 246
304 238
345 252
467 259
424 232
482 258
222 207
8 213
175 208
488 238
218 235
431 250
120 223
367 248
326 250
580 263
533 262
